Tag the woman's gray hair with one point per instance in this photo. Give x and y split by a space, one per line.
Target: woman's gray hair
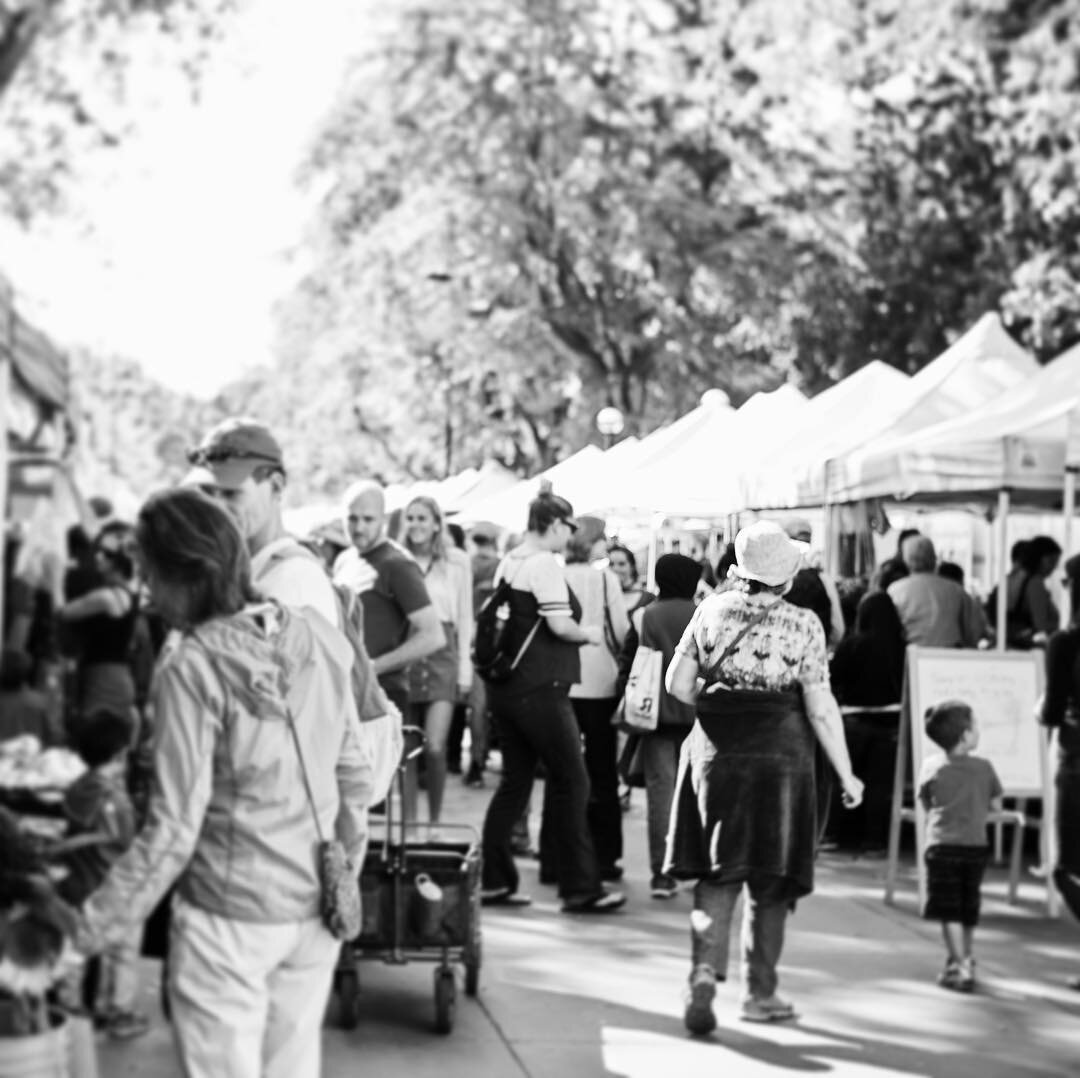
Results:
919 554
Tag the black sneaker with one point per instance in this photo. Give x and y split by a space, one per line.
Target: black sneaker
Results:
663 886
474 776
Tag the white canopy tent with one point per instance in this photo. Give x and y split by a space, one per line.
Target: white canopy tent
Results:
1022 441
841 417
510 508
985 364
695 474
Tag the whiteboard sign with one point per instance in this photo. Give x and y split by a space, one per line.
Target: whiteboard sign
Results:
1002 689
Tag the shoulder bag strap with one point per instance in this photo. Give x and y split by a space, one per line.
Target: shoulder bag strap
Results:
536 624
757 619
609 628
289 721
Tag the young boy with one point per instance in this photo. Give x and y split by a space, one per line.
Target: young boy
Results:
958 791
101 827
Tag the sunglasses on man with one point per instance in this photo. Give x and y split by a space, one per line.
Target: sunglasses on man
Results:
202 457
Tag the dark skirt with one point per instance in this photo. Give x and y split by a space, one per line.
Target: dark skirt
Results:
435 677
745 795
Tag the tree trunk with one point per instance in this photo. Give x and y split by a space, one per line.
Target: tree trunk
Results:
15 42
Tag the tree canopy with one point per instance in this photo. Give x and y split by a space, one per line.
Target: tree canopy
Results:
73 76
530 210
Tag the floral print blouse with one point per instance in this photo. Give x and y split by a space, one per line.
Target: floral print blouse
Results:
785 649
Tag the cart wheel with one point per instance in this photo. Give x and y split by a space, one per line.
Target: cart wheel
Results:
445 992
472 969
348 993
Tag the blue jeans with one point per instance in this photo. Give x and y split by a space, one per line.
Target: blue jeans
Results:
540 727
764 916
660 758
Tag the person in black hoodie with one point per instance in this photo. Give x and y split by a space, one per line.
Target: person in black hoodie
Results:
1059 710
867 675
660 625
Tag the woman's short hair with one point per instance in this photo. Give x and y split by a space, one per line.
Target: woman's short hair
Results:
919 554
193 544
545 509
1042 546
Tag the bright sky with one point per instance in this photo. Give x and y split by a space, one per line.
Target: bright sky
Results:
194 227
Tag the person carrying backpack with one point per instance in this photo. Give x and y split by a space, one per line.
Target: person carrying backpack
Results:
526 648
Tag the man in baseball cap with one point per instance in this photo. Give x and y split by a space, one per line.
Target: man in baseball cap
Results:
240 463
248 469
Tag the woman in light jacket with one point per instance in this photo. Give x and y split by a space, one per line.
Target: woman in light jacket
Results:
593 697
229 820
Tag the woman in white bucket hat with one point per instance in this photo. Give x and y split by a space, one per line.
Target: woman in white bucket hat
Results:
745 807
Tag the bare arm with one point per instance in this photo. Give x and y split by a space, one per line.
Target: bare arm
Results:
825 721
565 628
682 679
106 601
425 636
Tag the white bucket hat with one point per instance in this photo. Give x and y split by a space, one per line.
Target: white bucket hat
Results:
766 554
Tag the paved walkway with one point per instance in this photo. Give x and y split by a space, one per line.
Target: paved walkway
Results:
577 997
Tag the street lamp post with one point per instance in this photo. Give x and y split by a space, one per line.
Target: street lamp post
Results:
610 422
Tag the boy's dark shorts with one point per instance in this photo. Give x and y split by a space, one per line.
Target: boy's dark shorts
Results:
954 877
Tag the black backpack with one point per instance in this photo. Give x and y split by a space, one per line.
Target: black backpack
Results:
493 650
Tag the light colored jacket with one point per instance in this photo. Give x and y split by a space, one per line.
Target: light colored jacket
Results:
229 817
450 585
599 664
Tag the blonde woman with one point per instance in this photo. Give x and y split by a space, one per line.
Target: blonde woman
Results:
439 680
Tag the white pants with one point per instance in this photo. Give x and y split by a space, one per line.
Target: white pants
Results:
248 998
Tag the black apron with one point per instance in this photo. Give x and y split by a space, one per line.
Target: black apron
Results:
745 795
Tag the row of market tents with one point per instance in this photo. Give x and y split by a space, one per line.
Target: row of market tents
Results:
980 419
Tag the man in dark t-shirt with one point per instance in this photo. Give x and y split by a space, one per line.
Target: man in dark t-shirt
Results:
400 624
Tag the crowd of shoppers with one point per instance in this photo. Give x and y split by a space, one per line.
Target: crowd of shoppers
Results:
282 660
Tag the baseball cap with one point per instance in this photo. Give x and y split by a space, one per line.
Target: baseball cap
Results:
235 448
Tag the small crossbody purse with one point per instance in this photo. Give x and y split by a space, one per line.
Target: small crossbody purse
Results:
339 878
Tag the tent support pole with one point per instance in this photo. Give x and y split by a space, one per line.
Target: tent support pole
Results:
1003 565
7 334
1068 508
654 551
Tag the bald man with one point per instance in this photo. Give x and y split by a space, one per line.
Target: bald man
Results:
400 624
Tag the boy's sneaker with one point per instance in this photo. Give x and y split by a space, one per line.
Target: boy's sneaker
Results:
124 1025
663 886
770 1009
949 977
965 976
698 1016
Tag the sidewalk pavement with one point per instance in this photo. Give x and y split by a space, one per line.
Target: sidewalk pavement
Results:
574 996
